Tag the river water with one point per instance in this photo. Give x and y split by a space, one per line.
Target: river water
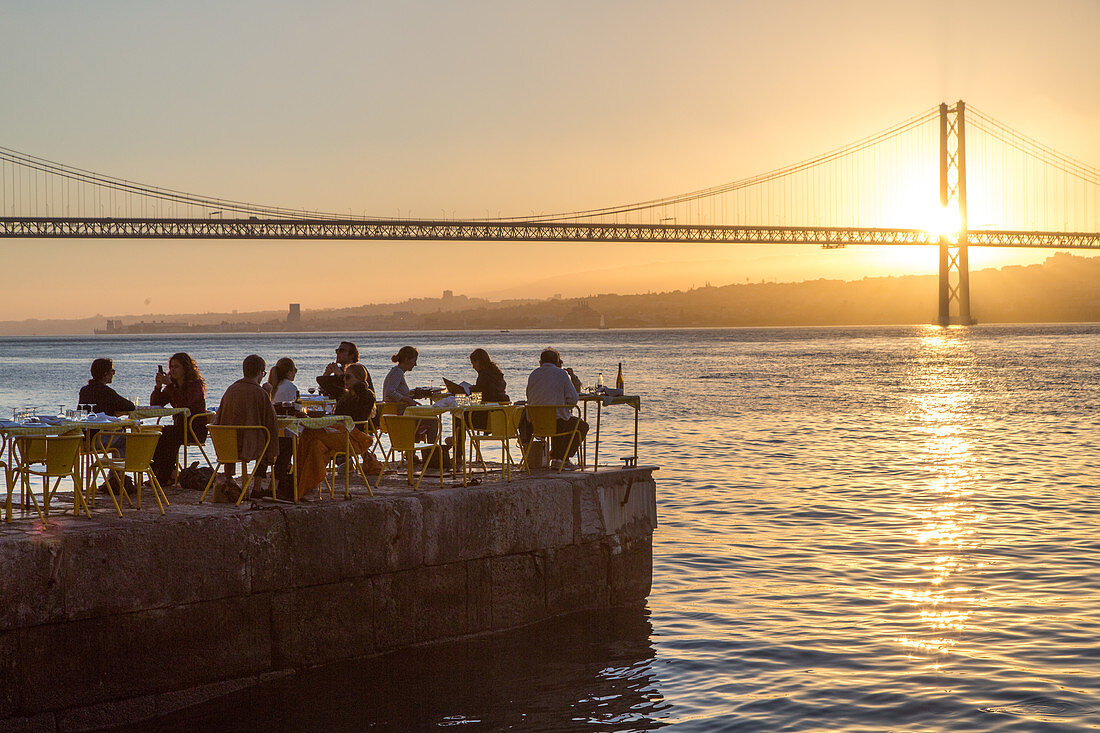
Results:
861 529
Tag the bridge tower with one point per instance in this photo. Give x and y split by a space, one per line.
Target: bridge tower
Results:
954 261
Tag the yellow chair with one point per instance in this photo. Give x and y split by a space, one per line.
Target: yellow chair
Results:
501 425
192 439
383 409
544 422
59 456
402 431
366 426
138 459
227 452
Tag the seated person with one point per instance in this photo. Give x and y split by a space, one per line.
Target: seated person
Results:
317 446
357 402
552 385
280 381
282 390
332 381
104 399
101 396
396 390
246 403
181 386
490 383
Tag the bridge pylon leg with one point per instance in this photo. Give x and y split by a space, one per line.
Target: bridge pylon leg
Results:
954 261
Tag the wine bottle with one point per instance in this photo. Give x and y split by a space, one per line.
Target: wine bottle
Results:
619 379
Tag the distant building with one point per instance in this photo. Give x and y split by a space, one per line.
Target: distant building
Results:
294 317
448 294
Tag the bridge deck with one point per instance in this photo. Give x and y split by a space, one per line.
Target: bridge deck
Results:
522 231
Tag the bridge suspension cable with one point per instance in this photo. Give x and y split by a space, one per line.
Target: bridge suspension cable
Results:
1019 183
773 175
886 180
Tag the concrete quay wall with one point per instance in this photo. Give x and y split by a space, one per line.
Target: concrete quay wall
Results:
111 620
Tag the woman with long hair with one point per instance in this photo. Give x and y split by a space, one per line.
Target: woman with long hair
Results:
280 381
490 383
181 386
316 447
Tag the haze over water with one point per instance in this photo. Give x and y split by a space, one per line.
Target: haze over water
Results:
860 529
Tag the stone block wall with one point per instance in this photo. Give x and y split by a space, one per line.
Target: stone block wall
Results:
123 619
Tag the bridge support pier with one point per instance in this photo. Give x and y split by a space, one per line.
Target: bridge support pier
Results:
954 260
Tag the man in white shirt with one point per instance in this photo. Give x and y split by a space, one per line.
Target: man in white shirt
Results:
552 385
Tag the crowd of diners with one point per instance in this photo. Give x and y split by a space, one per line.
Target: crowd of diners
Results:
260 393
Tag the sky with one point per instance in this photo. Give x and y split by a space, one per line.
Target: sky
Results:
470 109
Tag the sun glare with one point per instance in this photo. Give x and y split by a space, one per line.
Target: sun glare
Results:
945 221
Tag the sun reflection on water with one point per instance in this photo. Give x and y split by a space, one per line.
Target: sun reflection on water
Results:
941 401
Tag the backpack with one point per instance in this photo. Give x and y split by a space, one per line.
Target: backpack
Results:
195 478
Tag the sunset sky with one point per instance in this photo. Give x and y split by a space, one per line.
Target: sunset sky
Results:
484 108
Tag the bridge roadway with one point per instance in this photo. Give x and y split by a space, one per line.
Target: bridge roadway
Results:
514 231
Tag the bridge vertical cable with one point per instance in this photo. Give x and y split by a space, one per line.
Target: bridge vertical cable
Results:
1024 185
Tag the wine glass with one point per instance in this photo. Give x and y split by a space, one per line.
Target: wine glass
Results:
313 390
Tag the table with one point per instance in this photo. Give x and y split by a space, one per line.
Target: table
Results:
634 401
148 412
11 433
317 402
294 425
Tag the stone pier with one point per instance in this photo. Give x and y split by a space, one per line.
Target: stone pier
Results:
109 620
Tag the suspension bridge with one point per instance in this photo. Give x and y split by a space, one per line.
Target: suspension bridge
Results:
904 185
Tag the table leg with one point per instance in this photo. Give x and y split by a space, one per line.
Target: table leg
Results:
636 437
596 458
582 454
294 466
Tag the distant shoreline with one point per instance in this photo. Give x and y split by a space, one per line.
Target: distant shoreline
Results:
233 334
1063 289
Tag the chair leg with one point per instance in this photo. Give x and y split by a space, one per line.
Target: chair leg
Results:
210 482
27 492
97 472
158 491
246 479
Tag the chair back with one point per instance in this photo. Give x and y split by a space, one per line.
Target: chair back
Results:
61 453
544 419
32 449
192 437
501 424
226 440
140 447
402 430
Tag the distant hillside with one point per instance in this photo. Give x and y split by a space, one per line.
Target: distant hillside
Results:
1064 288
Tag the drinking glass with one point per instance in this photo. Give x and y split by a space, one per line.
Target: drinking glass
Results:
313 390
61 410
